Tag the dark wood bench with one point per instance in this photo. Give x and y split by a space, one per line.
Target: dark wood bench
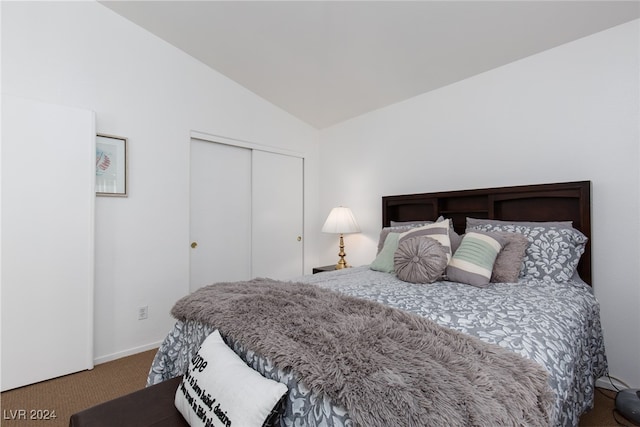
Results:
152 406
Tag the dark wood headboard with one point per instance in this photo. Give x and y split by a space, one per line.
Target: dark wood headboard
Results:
567 201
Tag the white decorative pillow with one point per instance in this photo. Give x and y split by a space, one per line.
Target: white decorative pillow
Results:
438 231
400 228
219 389
473 261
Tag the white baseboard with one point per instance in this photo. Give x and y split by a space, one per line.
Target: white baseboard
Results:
125 353
605 382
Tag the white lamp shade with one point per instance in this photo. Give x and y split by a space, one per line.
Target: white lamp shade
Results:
340 221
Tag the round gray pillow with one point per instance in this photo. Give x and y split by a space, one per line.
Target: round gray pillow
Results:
420 260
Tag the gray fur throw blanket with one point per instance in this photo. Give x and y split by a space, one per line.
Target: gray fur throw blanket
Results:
386 366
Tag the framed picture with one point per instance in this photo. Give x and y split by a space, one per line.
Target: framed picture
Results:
111 165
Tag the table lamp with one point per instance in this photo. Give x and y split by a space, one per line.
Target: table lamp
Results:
341 221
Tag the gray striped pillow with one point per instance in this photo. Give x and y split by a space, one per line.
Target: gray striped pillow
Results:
473 261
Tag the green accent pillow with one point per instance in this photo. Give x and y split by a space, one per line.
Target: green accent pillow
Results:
473 261
384 260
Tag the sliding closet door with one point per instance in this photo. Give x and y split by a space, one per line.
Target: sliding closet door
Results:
277 249
220 213
246 213
48 195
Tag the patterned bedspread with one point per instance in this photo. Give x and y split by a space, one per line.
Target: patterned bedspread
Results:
557 325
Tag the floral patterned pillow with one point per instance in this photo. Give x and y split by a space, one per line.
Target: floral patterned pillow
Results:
554 250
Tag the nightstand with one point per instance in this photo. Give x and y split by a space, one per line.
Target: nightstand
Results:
325 268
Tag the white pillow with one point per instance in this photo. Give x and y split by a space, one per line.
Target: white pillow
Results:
220 389
438 231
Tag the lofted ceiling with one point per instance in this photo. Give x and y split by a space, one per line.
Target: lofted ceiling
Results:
328 61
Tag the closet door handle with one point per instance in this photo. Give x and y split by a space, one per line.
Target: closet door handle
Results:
194 245
299 238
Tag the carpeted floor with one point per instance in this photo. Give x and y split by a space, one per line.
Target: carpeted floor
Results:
72 393
69 394
603 414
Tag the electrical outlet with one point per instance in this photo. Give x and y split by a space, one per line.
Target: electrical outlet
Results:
143 312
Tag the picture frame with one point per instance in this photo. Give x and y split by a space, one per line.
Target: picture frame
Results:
111 165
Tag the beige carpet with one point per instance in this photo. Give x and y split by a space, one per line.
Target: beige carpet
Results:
603 413
72 393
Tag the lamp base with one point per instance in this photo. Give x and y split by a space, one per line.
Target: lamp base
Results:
342 263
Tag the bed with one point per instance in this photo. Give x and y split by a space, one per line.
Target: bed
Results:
549 318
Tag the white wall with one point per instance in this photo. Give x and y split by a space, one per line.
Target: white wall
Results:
82 54
566 114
